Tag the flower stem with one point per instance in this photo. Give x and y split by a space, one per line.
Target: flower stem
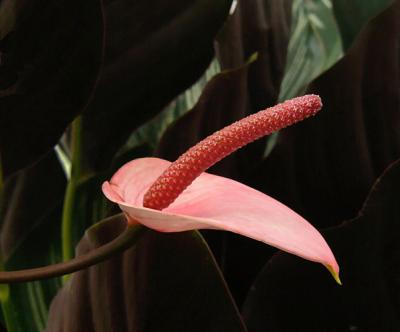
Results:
127 239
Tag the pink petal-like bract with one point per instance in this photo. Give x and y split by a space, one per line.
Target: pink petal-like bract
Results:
191 199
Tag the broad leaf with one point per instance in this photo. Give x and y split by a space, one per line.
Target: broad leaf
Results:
353 15
27 202
367 248
167 282
328 163
50 56
261 27
30 238
154 50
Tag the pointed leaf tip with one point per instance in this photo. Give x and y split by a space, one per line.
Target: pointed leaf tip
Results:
334 274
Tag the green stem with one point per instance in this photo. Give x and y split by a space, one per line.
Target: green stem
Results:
1 173
6 305
76 148
9 316
5 289
1 184
67 216
127 239
70 194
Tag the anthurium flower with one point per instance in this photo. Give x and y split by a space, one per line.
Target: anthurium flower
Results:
180 196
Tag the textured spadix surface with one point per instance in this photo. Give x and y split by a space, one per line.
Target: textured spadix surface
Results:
222 143
215 202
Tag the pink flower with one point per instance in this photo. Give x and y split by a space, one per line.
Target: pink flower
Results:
191 199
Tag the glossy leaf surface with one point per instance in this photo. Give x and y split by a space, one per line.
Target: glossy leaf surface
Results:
330 162
29 225
50 57
352 16
154 51
167 282
367 249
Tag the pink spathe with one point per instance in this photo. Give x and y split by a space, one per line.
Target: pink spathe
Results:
214 202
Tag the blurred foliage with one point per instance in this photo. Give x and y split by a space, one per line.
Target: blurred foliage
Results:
136 74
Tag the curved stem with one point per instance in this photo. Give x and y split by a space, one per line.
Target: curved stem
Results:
125 240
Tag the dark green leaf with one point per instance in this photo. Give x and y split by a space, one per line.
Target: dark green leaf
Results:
30 238
353 15
324 167
29 199
50 56
154 51
261 27
166 283
367 249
